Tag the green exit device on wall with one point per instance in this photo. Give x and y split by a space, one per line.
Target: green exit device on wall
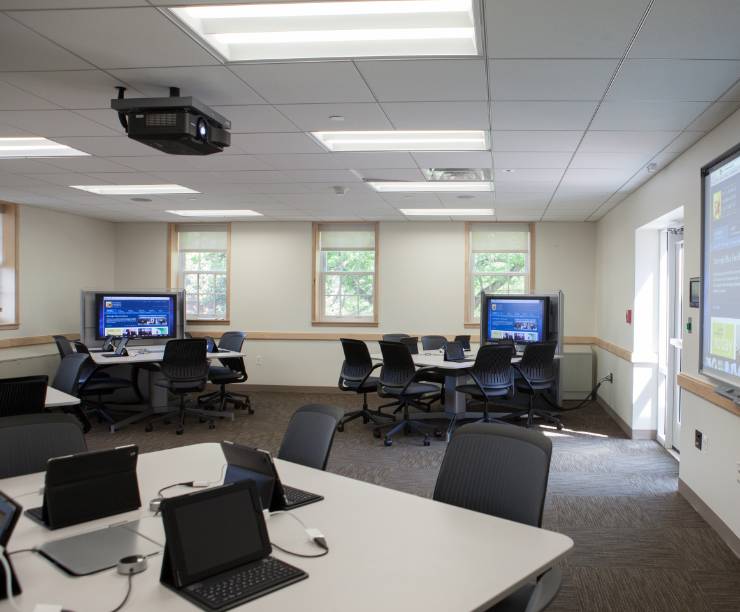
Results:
688 325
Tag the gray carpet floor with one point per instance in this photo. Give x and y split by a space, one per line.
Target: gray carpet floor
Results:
638 544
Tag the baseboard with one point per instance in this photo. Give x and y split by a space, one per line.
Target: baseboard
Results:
634 434
710 516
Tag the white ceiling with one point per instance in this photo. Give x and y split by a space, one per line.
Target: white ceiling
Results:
577 108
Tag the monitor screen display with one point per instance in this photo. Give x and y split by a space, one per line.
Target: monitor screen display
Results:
519 319
136 316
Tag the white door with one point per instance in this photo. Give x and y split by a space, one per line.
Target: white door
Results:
675 258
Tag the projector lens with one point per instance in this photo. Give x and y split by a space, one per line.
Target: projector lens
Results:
202 129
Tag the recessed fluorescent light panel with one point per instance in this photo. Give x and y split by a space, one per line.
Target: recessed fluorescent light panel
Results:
405 140
215 213
35 147
304 30
134 189
429 186
447 212
457 174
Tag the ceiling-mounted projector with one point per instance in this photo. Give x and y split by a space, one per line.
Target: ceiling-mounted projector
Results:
176 125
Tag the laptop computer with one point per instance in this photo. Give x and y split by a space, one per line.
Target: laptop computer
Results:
454 352
87 486
217 554
10 512
244 462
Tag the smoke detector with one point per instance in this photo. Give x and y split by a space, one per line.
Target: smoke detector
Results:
340 190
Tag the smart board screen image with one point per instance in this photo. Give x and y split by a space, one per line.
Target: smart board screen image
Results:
720 330
136 316
520 320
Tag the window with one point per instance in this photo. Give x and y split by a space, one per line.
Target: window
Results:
8 266
345 278
200 264
498 260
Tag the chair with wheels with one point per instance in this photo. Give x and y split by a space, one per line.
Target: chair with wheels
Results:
356 376
401 381
537 376
28 441
67 380
433 343
23 395
493 377
185 370
231 371
412 342
464 340
310 434
394 337
502 470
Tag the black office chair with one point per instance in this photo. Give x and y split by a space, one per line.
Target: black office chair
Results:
400 380
310 434
185 369
394 337
28 441
356 377
537 376
493 376
67 380
98 375
23 395
412 342
464 340
503 471
231 371
433 343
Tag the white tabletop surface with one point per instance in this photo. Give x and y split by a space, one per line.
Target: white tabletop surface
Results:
436 359
388 550
56 398
150 354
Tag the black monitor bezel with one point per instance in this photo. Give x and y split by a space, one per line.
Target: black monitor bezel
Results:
17 511
545 299
724 158
99 296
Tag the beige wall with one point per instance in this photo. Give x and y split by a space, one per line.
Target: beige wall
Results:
140 256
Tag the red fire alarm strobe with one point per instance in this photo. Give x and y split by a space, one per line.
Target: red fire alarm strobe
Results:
628 316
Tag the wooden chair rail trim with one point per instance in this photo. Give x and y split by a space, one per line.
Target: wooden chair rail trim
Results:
705 390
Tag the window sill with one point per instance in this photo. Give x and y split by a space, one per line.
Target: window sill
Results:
344 323
10 326
208 322
471 325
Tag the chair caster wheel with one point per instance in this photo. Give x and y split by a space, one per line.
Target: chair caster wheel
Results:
365 420
437 433
376 433
406 430
387 442
201 420
340 427
180 431
427 442
149 428
560 426
250 410
211 425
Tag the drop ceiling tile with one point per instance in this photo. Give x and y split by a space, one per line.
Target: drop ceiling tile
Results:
391 174
288 83
505 140
733 93
275 143
124 178
454 159
215 178
118 37
413 200
594 180
567 200
64 179
425 80
332 161
526 175
646 115
104 116
108 146
626 142
180 163
684 140
521 200
530 159
54 123
690 29
565 217
357 116
255 118
713 115
613 160
438 115
10 131
547 79
568 28
6 5
539 115
211 85
467 200
322 176
685 80
12 98
27 166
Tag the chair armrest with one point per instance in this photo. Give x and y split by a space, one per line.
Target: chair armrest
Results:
477 383
370 371
415 377
526 380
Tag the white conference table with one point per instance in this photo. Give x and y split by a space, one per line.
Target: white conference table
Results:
57 399
388 550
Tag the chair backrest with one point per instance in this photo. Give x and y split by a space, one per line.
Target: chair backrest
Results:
67 378
357 361
501 470
398 366
28 441
433 343
23 395
538 362
394 337
81 347
310 434
464 340
64 346
492 366
185 360
233 341
412 342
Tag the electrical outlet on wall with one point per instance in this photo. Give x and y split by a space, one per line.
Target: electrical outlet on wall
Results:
258 360
698 439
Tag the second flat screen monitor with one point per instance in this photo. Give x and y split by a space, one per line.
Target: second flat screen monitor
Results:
136 316
521 319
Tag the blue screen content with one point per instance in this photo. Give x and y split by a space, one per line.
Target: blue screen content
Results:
519 320
137 316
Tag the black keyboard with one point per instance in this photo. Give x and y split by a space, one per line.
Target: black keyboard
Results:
295 497
245 583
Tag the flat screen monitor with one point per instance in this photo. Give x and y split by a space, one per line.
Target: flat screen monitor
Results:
522 319
720 279
136 316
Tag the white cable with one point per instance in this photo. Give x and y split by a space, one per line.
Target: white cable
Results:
8 579
289 513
